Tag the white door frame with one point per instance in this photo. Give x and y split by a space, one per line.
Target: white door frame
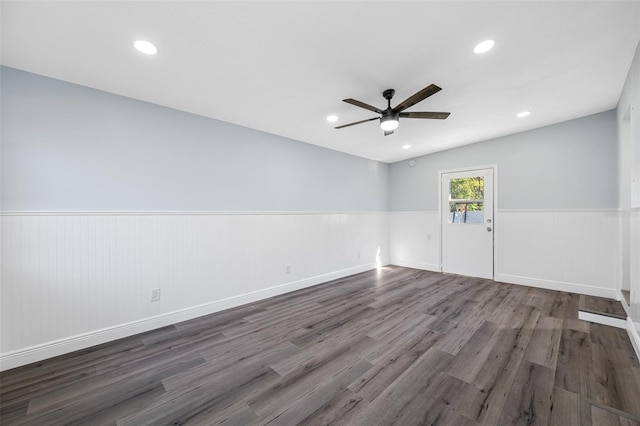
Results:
496 230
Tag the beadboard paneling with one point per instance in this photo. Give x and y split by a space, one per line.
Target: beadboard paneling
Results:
634 264
415 239
567 250
69 275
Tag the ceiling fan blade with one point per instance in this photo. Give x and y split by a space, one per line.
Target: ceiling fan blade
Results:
387 133
362 105
357 122
436 115
420 96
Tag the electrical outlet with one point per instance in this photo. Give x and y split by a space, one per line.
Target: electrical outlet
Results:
155 294
287 269
428 237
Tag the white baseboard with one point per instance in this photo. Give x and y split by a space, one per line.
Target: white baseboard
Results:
632 330
51 349
623 302
602 319
609 293
416 265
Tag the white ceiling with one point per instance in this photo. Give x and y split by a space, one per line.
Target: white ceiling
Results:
282 67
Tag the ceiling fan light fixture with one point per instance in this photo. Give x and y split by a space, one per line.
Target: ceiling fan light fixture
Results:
145 47
484 46
389 121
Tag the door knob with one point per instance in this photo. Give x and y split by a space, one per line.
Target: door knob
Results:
489 228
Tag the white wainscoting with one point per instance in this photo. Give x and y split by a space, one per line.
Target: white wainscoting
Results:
415 239
634 262
634 273
567 250
70 281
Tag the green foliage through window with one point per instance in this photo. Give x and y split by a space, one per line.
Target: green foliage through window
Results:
467 194
467 188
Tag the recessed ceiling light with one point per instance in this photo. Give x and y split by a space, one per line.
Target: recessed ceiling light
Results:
406 146
145 47
484 46
332 118
523 114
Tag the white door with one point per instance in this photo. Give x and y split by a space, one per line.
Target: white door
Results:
467 222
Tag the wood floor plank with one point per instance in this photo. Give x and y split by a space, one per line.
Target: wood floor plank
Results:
600 305
451 317
474 355
545 342
565 408
612 382
458 333
340 410
69 395
232 349
505 357
585 411
495 372
17 394
13 411
211 396
312 357
412 384
66 364
557 306
389 367
396 319
388 343
628 417
110 401
602 417
434 409
272 315
573 369
275 399
578 325
215 368
160 365
389 346
306 402
319 331
237 414
530 396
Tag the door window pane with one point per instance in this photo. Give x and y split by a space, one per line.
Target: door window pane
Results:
466 200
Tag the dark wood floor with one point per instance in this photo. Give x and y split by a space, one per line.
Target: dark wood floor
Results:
600 306
396 346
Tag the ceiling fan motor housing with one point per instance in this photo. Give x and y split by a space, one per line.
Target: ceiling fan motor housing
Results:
389 114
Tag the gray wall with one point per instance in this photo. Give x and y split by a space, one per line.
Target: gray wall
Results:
570 165
70 148
629 178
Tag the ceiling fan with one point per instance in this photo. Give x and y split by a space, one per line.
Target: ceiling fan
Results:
390 116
